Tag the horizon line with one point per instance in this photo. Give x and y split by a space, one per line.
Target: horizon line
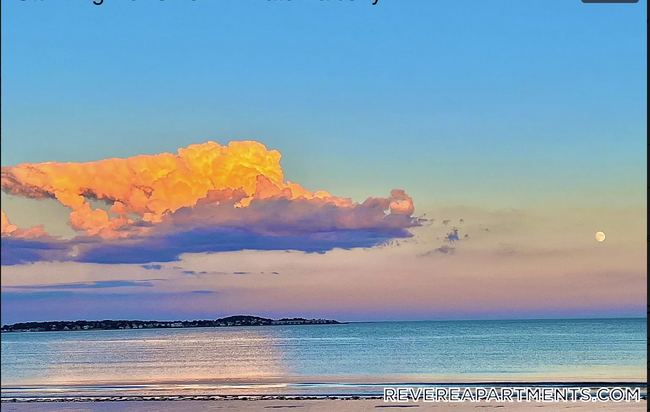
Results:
342 321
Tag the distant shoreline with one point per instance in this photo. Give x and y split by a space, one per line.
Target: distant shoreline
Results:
59 326
108 324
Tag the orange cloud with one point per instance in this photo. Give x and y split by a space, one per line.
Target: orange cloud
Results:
12 230
147 188
7 227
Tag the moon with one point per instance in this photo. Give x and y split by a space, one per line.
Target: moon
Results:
600 237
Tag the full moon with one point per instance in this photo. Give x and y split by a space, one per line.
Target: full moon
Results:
600 237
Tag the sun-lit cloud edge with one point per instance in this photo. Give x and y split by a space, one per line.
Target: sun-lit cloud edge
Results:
206 198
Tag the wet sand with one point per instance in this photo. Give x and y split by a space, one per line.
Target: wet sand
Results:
314 405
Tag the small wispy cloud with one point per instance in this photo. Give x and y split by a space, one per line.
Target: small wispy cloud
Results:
102 284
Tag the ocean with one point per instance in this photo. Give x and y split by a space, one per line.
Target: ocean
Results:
354 358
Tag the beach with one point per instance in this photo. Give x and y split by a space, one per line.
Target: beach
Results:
314 405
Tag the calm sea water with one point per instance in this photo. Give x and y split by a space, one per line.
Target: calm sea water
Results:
350 358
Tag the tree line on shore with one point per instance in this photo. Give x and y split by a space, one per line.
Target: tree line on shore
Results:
237 320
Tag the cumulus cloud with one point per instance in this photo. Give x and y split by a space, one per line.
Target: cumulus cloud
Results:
7 227
30 245
205 198
281 215
9 230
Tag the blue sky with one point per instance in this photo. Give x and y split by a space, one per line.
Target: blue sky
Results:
521 122
501 102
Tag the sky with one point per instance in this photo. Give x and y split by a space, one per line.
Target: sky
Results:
525 120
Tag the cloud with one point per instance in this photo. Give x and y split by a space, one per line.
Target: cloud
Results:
7 227
9 230
552 266
445 249
15 251
206 198
146 188
284 216
34 296
452 236
169 247
85 285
